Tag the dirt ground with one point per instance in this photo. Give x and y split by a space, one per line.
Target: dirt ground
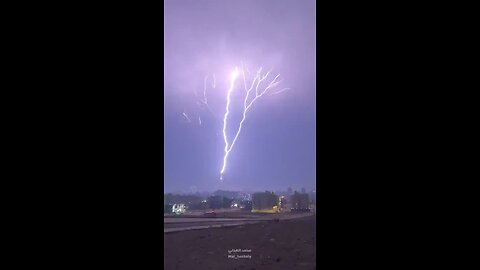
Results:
287 244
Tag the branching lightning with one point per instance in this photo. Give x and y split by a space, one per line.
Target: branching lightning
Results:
253 92
204 101
247 104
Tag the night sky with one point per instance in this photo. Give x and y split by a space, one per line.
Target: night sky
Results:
276 148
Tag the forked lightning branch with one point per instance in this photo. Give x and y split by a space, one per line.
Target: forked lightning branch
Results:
253 92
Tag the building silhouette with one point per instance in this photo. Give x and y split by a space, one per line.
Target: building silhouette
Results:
265 202
299 202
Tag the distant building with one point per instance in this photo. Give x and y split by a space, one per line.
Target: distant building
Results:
299 202
303 190
266 202
227 194
215 202
289 192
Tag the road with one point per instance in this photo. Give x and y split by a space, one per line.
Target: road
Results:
172 224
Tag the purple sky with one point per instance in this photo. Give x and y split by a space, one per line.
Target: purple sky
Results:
276 148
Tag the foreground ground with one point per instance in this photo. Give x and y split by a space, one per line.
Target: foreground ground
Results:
286 244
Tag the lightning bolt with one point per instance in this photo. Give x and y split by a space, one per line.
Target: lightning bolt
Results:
204 100
227 111
248 105
257 80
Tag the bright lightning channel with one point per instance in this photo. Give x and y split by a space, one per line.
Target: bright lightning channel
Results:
246 106
233 77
